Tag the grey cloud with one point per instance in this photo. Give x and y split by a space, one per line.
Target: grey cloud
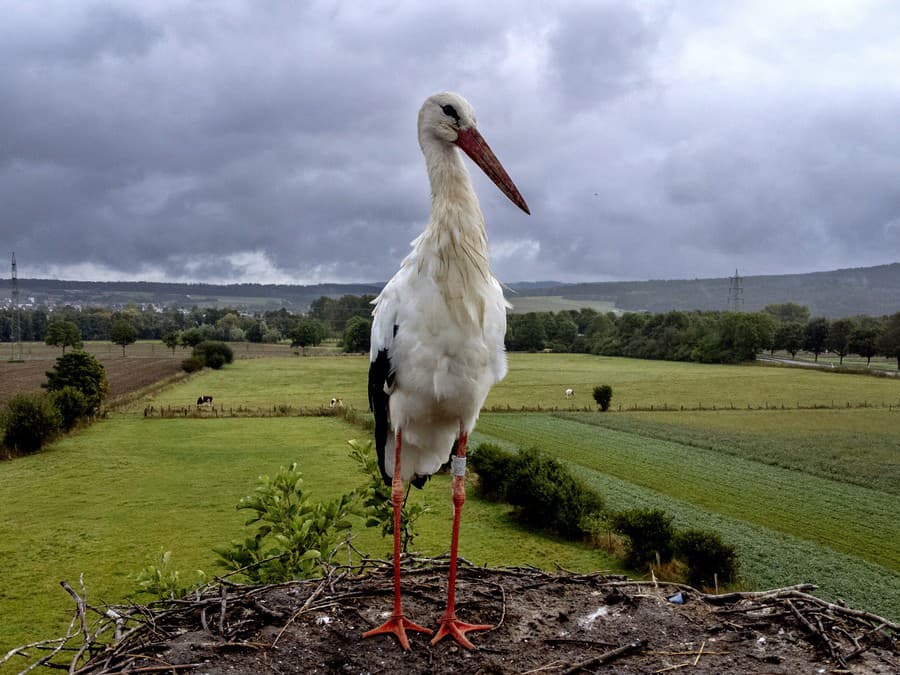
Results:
150 136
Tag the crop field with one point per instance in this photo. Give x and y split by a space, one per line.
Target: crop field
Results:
851 520
804 495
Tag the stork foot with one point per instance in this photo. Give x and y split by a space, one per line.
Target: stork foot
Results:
398 625
457 629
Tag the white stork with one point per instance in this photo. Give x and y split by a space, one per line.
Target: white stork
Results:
437 337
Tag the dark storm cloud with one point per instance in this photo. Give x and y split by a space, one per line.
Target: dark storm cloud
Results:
276 142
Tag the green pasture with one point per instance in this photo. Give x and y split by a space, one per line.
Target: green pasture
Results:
541 380
104 501
806 495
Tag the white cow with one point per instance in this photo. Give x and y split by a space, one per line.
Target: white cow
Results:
570 393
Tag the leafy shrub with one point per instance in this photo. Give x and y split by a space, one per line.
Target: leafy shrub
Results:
83 372
163 581
493 465
29 421
376 498
72 406
649 532
192 364
215 354
295 536
547 496
603 396
706 556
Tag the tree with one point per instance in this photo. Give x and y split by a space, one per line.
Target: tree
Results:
83 372
357 334
214 353
815 336
256 331
752 333
790 336
61 333
526 332
192 337
171 340
838 339
71 404
307 332
123 333
864 339
889 342
29 421
603 395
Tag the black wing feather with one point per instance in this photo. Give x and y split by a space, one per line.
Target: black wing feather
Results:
381 378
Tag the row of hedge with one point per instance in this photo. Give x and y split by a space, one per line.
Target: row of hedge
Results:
547 497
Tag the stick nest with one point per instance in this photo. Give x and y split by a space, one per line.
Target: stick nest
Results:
543 623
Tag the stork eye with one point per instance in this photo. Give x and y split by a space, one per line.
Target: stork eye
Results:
450 111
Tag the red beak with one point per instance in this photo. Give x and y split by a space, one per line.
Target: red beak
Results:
473 144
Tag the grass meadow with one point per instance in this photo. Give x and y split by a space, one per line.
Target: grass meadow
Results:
804 494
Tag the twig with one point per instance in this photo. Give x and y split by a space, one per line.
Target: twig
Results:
79 603
728 598
699 652
224 594
606 657
552 664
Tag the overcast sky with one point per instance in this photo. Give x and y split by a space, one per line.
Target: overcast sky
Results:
275 142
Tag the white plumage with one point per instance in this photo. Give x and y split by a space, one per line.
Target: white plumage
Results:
448 308
438 332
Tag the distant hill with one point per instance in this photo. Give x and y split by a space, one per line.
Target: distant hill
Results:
846 292
252 297
838 293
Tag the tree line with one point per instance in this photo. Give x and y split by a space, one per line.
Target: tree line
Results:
702 336
706 337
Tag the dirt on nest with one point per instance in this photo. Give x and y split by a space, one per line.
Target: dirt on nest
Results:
547 623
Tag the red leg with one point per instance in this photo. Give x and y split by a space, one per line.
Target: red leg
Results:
450 625
398 624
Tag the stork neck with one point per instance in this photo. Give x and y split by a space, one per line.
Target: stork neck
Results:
454 205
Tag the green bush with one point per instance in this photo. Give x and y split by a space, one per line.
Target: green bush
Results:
650 533
295 536
192 364
603 396
83 372
215 354
493 465
72 406
163 581
29 421
706 556
548 497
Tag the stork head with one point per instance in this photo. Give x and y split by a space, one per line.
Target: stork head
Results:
448 118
